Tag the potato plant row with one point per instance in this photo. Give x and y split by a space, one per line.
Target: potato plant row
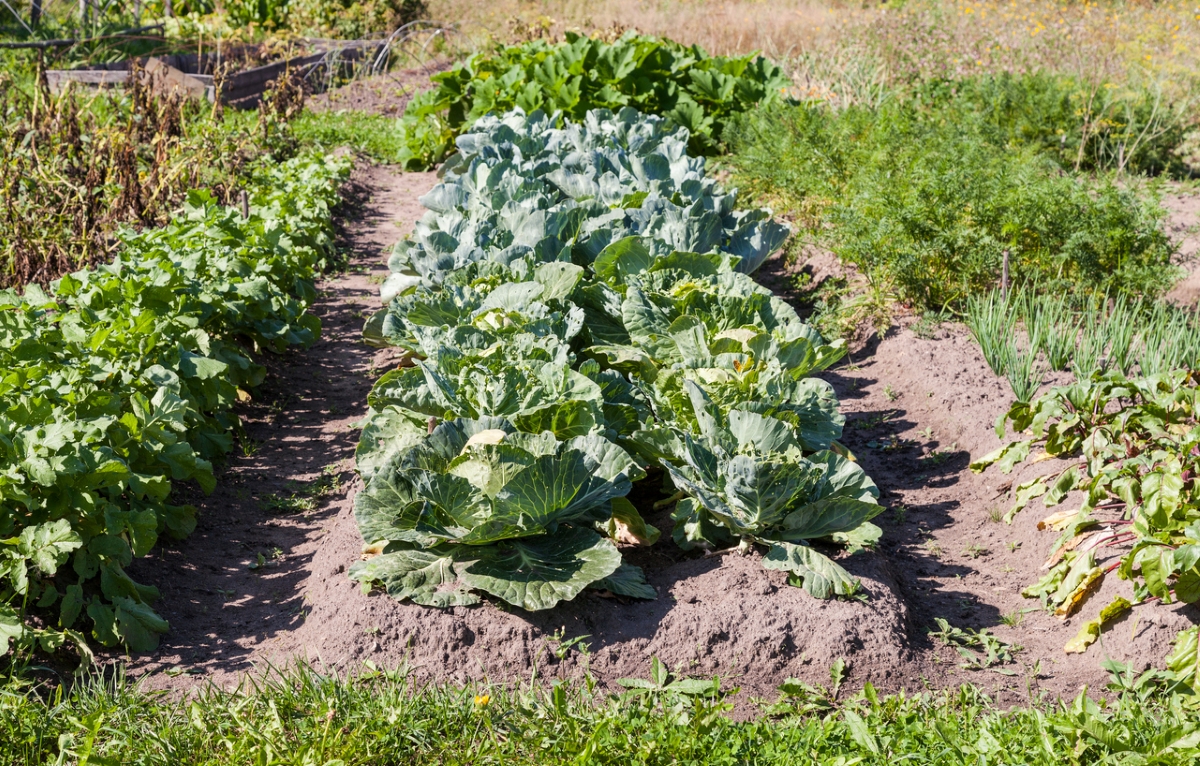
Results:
120 380
576 315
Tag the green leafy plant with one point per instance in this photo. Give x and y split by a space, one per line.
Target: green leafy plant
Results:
1131 446
925 202
586 283
120 382
477 505
980 650
695 91
749 481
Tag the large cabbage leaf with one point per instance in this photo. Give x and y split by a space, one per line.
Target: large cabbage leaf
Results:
478 505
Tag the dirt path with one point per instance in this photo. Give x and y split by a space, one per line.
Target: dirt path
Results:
276 496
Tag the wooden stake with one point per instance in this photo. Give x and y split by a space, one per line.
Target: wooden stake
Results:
245 199
1004 277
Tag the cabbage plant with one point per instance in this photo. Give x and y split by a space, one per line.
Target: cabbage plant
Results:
478 506
749 481
520 187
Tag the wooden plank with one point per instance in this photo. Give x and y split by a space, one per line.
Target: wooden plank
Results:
169 79
57 79
243 89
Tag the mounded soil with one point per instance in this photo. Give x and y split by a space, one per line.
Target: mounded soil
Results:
918 409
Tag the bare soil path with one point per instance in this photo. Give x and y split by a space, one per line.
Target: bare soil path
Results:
276 497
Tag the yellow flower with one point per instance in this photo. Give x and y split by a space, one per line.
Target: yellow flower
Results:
481 700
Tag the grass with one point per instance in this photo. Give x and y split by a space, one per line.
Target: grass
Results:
303 497
374 135
303 716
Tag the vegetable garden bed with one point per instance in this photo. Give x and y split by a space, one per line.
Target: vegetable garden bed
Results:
242 86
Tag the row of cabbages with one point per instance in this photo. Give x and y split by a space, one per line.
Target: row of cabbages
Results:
576 314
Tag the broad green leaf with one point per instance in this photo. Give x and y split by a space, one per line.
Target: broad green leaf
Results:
48 545
137 625
536 573
628 580
424 577
827 516
816 573
11 627
1184 659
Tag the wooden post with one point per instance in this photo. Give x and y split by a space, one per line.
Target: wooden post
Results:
245 199
1004 277
83 12
35 12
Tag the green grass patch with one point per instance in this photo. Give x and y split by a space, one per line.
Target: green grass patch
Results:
377 136
301 716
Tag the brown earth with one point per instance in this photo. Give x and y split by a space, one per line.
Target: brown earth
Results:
1183 220
918 409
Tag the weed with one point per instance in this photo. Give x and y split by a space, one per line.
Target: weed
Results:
301 497
249 445
926 328
979 649
874 421
890 394
938 457
1013 619
974 551
561 646
1013 546
889 443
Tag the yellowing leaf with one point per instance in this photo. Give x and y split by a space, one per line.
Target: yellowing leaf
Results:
1091 630
1057 521
1067 547
1091 579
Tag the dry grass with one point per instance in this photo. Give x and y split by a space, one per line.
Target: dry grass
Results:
845 51
779 28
